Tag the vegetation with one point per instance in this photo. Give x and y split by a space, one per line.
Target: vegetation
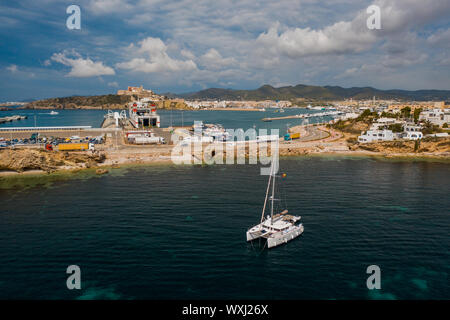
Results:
429 128
389 115
417 114
396 127
445 125
367 116
351 126
405 112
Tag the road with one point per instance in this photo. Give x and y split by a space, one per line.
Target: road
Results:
312 133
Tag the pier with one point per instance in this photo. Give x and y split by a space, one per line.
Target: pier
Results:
304 116
12 118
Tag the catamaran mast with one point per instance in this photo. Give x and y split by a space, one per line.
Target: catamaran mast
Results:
267 194
273 194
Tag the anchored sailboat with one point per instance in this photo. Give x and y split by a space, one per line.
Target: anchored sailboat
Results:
276 228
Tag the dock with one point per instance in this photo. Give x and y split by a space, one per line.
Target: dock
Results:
304 116
12 118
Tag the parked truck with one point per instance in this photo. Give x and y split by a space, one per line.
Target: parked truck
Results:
75 146
149 140
291 136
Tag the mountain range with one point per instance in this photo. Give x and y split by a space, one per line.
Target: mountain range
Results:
314 93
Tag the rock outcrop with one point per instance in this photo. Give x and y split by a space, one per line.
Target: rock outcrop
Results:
20 160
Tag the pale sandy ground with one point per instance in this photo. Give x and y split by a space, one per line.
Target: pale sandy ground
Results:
314 141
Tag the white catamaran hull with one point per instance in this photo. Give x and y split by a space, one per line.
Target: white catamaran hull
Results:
274 239
284 238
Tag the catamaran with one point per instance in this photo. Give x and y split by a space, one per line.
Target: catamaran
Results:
277 228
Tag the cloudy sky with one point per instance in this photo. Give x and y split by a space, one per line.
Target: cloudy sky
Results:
188 45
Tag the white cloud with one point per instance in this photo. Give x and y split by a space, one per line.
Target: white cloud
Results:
353 36
341 37
187 54
113 84
153 57
101 7
81 67
212 59
12 68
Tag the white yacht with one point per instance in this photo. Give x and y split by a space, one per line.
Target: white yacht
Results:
278 228
53 113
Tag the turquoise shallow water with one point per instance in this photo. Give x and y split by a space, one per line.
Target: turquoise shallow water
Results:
167 232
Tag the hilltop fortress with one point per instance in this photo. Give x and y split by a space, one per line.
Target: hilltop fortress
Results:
140 93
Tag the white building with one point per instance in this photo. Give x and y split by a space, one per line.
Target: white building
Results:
376 135
384 122
412 132
436 116
411 135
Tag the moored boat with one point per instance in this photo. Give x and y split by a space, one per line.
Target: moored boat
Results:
276 229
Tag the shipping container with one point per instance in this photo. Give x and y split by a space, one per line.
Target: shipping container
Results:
291 136
75 146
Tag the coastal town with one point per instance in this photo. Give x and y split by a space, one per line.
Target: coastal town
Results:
225 159
133 134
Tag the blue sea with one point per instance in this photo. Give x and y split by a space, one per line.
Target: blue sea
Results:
178 232
229 119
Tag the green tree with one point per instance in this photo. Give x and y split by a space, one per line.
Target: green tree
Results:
389 115
417 114
397 127
406 112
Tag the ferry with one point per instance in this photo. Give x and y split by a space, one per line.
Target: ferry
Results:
143 115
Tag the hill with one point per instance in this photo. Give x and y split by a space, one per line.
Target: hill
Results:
110 101
315 93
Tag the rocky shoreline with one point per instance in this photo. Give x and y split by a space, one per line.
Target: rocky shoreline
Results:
315 141
24 161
